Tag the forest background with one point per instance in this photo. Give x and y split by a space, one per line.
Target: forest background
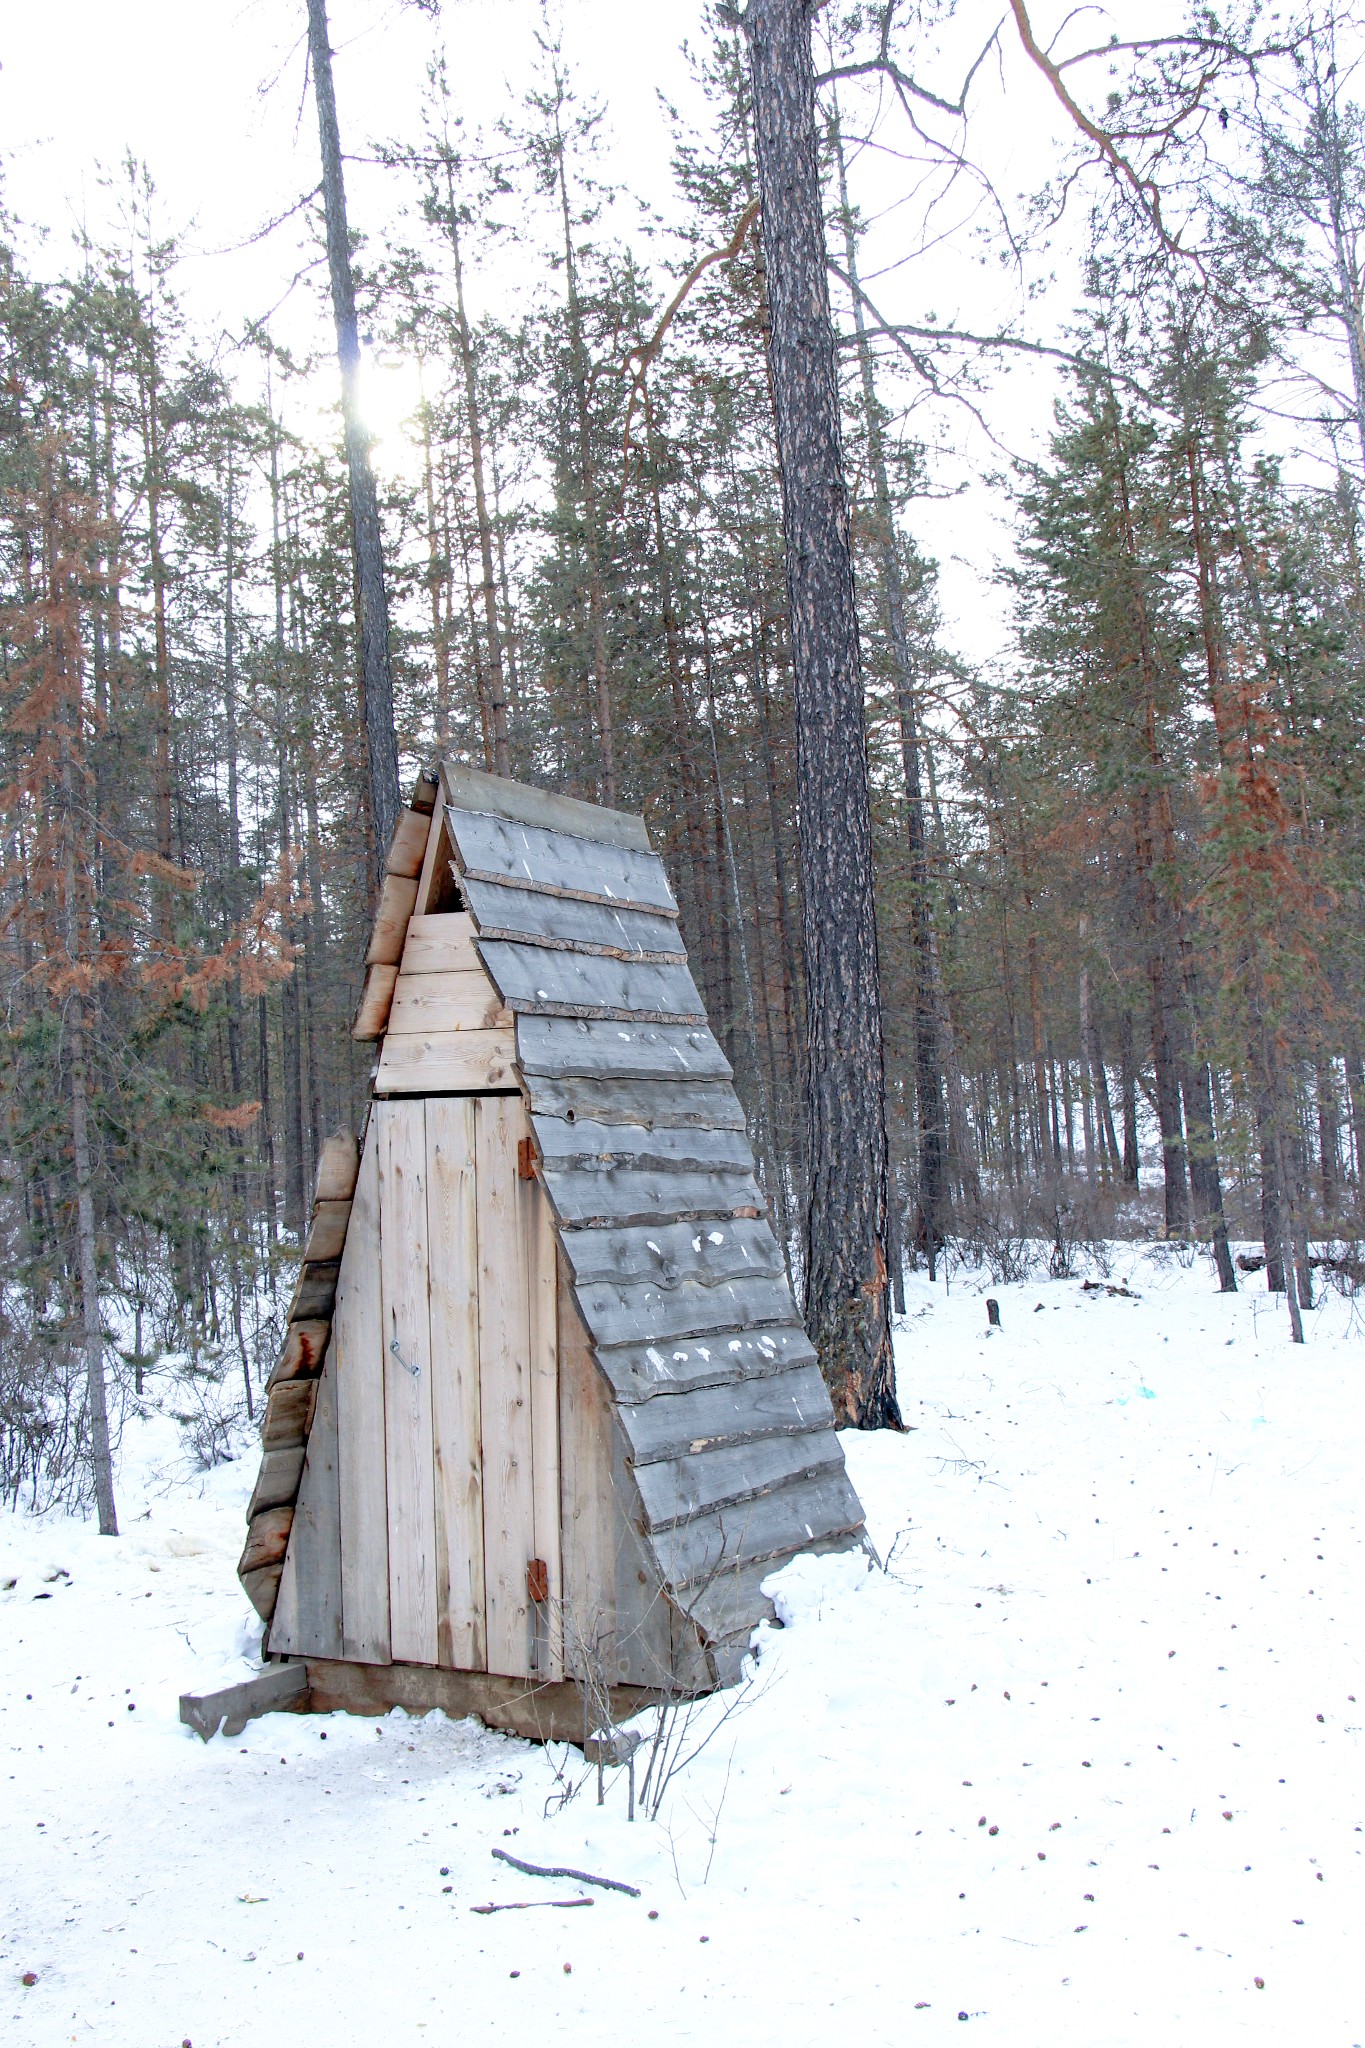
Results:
1100 317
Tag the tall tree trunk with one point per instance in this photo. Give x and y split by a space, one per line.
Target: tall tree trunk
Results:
376 676
587 484
845 1238
1128 1083
932 1222
66 659
502 759
1329 1141
92 1325
1355 1088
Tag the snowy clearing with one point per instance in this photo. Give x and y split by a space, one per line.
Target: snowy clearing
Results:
1082 1767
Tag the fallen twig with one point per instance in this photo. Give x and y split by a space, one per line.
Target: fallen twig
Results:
525 1905
610 1884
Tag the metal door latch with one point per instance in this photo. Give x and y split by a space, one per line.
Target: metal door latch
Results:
415 1370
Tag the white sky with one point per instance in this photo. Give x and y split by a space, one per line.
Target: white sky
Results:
212 98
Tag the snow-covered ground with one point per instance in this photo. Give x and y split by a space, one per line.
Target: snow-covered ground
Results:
1082 1767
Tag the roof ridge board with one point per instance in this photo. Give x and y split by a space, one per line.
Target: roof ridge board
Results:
495 849
523 803
564 895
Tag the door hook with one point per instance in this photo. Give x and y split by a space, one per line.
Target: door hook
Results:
415 1370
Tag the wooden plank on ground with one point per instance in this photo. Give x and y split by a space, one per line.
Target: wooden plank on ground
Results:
528 857
565 921
587 1200
372 1014
442 944
673 1425
542 1713
357 1358
308 1618
473 790
538 981
406 1327
595 1047
281 1688
464 1001
652 1368
504 1387
616 1100
447 1063
452 1226
672 1252
396 900
538 1232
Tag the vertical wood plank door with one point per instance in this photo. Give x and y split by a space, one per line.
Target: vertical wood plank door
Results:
504 1387
356 1355
542 1276
445 1362
404 1259
452 1220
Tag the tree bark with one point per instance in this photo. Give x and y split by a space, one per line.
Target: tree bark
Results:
502 758
932 1222
376 676
846 1217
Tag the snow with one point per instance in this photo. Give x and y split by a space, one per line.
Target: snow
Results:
1119 1626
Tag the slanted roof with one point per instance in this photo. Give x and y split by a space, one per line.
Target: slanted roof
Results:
644 1155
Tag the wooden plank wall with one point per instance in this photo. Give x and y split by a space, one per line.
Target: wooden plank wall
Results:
452 1225
432 1473
405 1330
505 1384
358 1351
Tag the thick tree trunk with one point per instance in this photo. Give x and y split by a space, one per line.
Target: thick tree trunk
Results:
846 1263
932 1221
376 677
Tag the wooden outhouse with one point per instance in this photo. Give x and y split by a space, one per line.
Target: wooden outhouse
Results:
545 1415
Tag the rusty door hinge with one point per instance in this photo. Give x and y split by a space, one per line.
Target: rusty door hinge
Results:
526 1159
537 1581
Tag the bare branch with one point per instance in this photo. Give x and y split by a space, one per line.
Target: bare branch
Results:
895 330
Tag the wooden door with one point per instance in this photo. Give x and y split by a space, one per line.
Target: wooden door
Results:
445 1354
